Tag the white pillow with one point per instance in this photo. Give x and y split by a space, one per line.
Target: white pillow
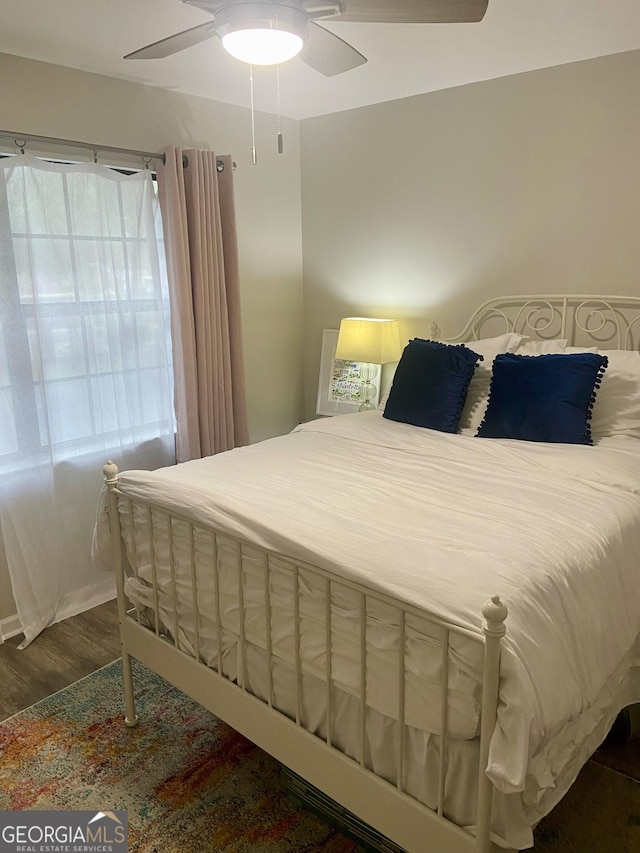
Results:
478 391
622 359
491 347
539 347
616 410
384 398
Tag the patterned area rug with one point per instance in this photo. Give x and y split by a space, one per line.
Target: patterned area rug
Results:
188 781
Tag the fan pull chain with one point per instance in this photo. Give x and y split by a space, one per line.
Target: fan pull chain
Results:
280 146
254 158
280 140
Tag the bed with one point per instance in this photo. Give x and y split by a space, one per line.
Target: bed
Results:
432 629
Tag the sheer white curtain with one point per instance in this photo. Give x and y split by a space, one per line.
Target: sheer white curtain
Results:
85 371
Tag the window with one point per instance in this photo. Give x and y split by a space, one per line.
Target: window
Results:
84 337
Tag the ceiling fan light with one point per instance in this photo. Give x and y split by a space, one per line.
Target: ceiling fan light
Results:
262 46
262 33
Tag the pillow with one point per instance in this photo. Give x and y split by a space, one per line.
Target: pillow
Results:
623 359
478 391
543 398
617 407
541 347
384 398
430 385
489 349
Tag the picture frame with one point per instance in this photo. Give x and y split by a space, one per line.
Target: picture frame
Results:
339 381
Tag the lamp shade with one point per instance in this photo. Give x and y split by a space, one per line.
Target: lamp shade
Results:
368 340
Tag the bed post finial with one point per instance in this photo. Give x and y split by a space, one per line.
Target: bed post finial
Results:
110 472
494 612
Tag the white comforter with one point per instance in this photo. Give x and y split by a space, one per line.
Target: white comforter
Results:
444 521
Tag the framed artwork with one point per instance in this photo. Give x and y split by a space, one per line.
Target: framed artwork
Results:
339 382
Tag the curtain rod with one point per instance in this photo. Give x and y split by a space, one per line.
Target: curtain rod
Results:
24 138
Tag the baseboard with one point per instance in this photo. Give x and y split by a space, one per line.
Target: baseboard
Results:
10 627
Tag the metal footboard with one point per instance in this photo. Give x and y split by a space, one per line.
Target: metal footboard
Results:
227 689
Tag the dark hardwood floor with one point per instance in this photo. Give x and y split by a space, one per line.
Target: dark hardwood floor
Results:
62 654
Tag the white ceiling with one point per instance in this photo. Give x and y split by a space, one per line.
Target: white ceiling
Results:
404 59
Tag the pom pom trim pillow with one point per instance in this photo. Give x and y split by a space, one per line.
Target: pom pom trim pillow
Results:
430 385
543 398
488 348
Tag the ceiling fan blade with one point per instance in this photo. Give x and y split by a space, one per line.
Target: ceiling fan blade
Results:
328 53
175 43
413 11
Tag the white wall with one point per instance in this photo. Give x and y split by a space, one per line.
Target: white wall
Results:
50 100
422 208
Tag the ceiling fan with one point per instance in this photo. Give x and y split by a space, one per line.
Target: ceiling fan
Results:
269 32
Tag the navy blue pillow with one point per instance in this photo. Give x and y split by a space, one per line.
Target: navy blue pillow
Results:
430 385
543 397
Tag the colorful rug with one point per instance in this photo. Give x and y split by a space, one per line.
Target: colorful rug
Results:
188 782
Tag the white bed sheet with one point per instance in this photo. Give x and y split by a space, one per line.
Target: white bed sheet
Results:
443 521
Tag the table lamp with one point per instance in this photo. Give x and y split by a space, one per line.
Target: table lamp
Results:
371 342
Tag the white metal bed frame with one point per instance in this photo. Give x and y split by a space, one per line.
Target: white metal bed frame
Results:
610 322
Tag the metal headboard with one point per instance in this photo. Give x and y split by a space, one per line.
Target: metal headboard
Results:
609 322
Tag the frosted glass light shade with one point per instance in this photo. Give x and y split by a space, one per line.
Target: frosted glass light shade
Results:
262 33
369 340
262 46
